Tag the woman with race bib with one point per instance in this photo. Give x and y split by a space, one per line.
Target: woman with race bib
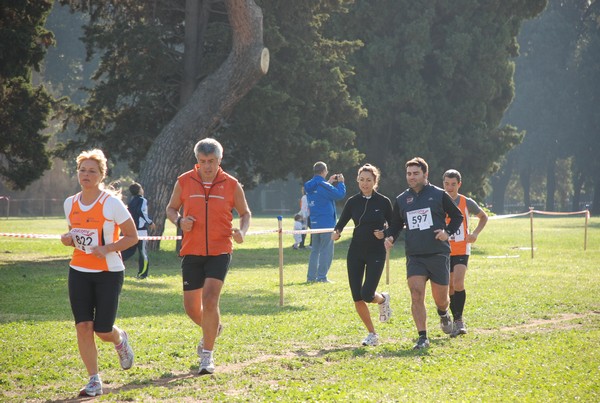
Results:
95 217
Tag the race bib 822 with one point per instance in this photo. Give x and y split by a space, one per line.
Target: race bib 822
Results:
85 239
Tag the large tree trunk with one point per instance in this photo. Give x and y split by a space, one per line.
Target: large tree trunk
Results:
578 179
595 210
172 152
551 184
500 182
525 177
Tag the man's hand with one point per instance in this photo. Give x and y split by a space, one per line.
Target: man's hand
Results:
471 238
441 235
237 235
186 223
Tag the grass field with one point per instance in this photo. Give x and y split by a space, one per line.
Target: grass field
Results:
534 326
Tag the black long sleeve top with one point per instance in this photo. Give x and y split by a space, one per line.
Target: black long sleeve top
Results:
368 215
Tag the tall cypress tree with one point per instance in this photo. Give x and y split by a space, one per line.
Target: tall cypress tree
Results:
436 78
24 108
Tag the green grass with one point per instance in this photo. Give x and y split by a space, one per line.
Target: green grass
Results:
534 325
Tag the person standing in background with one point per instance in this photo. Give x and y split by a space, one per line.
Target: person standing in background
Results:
322 194
138 208
460 244
305 213
298 226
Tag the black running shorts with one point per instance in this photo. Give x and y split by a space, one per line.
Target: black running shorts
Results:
434 267
460 259
196 269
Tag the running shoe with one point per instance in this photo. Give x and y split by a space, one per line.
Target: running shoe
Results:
207 364
422 342
201 342
93 388
371 340
125 351
385 311
446 323
459 328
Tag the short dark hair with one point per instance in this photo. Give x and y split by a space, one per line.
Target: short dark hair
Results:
418 162
135 188
452 173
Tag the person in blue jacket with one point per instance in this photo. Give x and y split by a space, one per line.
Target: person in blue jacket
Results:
322 194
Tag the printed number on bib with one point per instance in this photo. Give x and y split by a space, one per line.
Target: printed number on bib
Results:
419 219
459 235
85 239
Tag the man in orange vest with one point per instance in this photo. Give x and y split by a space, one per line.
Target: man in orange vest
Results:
207 195
460 244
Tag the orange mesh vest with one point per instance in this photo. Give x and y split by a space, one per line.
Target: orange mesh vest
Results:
211 205
89 228
458 240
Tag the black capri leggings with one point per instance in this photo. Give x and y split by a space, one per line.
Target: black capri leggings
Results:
95 297
365 263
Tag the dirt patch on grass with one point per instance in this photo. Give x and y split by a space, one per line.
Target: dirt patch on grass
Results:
565 321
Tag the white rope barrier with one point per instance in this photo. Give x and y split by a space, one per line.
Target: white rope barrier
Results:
173 237
280 232
531 212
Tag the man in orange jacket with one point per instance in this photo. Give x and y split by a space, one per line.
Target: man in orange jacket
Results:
207 195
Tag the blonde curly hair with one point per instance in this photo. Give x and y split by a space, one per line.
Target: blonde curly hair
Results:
94 155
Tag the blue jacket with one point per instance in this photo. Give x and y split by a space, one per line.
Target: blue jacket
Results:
321 201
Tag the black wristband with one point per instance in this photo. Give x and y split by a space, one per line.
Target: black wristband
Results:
178 225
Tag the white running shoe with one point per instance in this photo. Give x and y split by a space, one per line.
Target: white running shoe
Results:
385 311
93 388
207 364
371 340
125 351
200 346
446 323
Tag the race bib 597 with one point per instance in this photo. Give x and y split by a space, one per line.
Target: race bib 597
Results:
419 219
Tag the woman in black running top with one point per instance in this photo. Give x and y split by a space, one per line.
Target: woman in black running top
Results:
370 211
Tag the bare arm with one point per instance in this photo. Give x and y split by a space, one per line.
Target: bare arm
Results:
130 238
186 223
483 219
241 206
